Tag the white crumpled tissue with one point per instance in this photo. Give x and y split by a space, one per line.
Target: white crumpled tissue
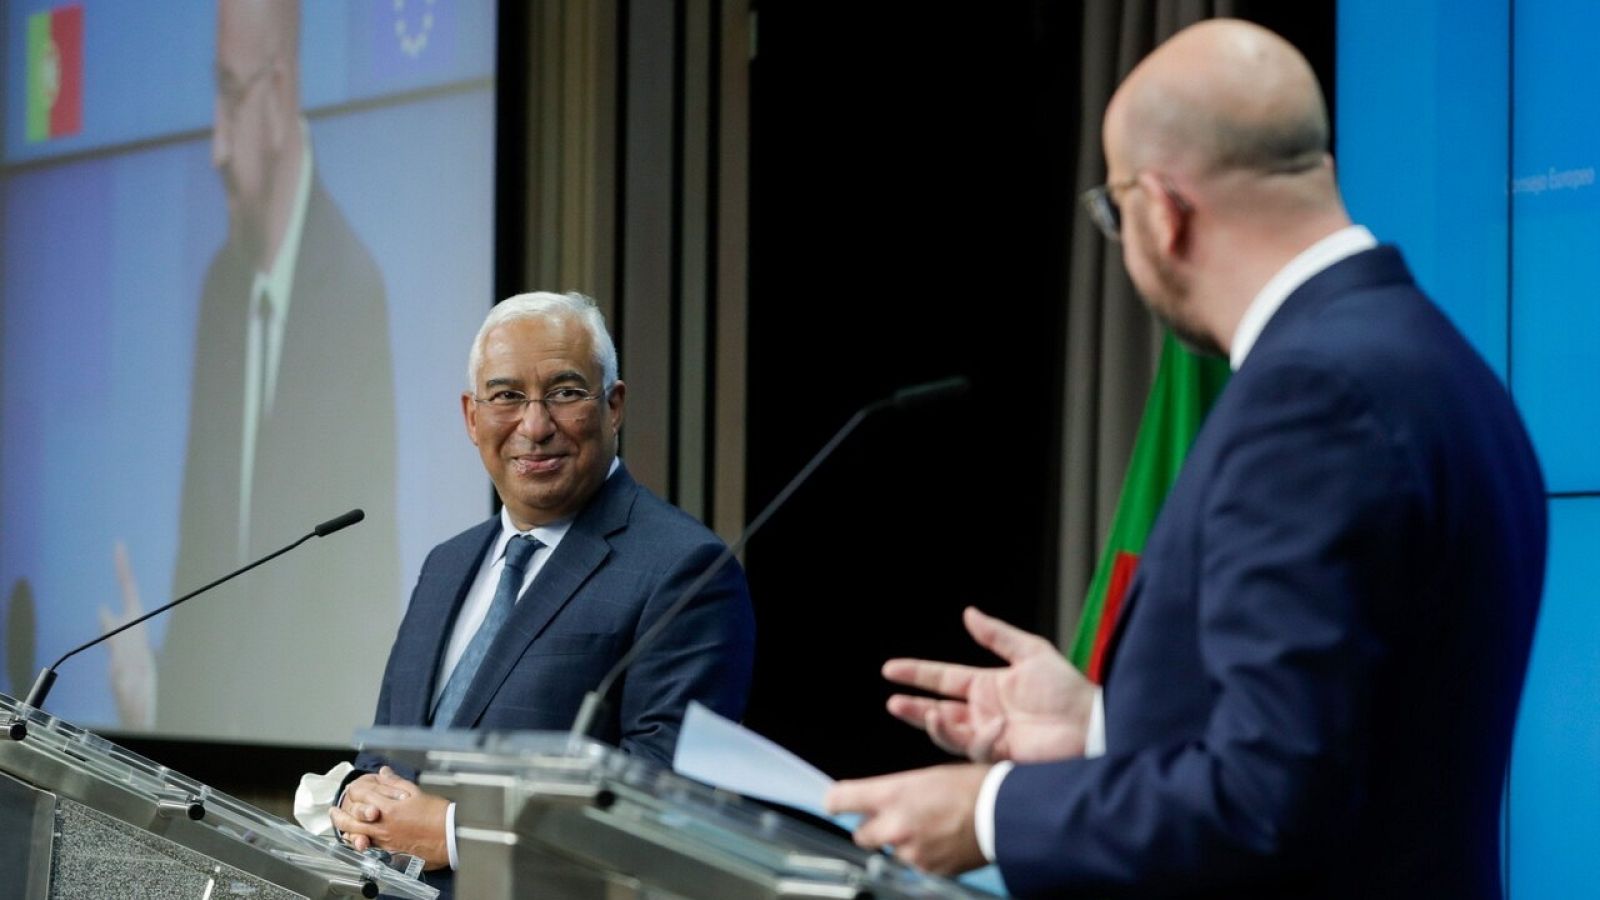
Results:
315 795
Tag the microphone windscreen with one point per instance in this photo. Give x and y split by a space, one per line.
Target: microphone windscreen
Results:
932 392
344 521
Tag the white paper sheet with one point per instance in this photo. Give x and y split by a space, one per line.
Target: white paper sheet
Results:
728 755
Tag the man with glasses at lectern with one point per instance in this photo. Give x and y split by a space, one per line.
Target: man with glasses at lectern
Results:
512 621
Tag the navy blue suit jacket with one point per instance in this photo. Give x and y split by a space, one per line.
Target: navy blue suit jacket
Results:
626 558
1312 688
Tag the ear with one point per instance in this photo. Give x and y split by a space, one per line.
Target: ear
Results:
469 414
1170 213
614 404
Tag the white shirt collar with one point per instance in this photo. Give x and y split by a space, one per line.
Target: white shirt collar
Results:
548 535
1345 242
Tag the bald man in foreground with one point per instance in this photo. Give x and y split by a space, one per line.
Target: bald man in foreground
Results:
1312 687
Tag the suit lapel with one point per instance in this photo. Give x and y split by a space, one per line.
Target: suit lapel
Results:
430 624
582 551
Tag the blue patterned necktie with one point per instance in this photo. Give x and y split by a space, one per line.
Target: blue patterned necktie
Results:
518 551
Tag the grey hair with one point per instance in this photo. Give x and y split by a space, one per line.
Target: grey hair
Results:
552 307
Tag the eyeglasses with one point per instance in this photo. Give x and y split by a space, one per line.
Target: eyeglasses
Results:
1101 204
562 404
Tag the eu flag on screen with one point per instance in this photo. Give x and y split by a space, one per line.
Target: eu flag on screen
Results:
412 39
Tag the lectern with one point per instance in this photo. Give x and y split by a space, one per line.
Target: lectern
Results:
539 814
82 817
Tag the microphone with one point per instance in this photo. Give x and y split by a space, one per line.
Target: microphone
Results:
932 392
337 523
47 676
593 705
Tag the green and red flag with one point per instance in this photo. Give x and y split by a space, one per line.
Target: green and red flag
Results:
1184 388
55 73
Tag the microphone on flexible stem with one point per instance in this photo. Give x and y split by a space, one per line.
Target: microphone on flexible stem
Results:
47 676
589 713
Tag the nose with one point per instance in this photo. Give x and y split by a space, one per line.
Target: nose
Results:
536 423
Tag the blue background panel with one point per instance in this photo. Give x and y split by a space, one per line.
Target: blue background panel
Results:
1423 90
1554 822
1556 223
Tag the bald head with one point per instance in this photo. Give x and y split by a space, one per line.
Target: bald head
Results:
1223 94
1217 153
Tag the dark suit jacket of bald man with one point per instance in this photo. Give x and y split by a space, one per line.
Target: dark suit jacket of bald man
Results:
627 557
1312 688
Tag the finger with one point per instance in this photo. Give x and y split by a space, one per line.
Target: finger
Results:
1005 641
359 805
946 735
348 823
360 842
910 710
948 679
860 795
389 778
131 607
880 831
378 789
914 710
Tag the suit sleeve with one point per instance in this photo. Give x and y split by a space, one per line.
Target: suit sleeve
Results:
706 653
1301 538
366 761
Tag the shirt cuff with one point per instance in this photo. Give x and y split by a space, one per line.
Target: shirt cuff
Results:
1094 742
450 836
983 814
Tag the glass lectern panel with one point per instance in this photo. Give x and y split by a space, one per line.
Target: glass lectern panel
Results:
601 823
110 803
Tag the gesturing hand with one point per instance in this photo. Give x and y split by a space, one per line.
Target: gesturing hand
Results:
133 663
1033 709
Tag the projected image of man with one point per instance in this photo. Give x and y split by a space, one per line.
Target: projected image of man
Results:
291 420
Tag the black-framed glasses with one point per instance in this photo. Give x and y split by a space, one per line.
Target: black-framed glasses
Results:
562 404
1101 204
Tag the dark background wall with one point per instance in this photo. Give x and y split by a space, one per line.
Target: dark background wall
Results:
910 193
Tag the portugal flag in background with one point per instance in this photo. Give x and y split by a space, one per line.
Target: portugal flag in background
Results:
1184 388
55 73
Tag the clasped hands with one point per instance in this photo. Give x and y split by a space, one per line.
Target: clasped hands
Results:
1033 709
393 814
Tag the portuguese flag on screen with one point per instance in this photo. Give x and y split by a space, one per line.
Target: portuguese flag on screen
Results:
1183 390
55 73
